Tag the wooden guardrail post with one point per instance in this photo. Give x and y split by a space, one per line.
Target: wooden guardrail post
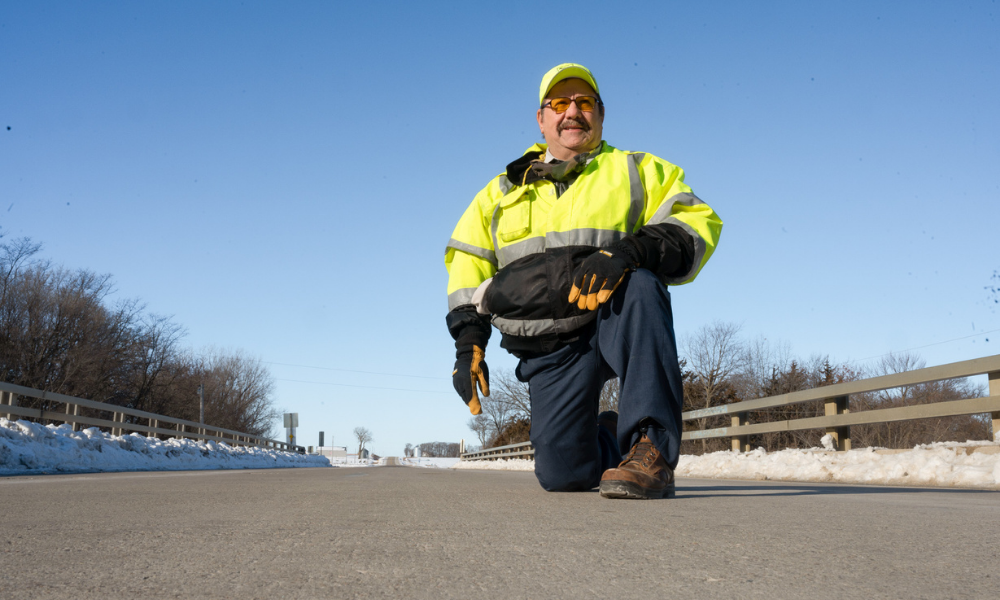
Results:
841 435
6 399
11 401
994 378
73 409
740 442
180 431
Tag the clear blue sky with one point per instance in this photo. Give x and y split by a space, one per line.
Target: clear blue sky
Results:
282 177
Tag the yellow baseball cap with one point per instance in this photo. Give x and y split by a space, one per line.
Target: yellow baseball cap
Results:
565 71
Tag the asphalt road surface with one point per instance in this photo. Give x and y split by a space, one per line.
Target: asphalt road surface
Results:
406 532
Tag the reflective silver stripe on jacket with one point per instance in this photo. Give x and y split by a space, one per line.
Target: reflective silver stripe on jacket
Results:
637 192
460 298
597 238
662 214
505 184
536 327
494 223
473 250
509 254
582 237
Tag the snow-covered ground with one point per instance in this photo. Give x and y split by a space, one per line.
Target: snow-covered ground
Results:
438 463
339 461
29 448
969 464
510 464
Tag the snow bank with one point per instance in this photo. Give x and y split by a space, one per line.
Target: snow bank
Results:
972 464
950 464
433 463
29 448
508 464
340 461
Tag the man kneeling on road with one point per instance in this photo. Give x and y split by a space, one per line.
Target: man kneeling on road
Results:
570 252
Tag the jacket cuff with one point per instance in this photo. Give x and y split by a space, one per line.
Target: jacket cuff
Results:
667 249
468 328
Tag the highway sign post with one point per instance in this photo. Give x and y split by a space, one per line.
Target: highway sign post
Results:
291 422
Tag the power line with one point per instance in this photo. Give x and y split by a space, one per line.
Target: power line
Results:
965 337
366 387
352 371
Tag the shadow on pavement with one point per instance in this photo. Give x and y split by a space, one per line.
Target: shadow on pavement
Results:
778 488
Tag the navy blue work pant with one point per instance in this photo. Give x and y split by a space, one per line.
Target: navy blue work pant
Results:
633 338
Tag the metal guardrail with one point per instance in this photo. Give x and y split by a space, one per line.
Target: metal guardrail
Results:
838 418
522 450
9 407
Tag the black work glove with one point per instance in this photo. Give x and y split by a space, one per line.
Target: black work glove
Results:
600 274
470 369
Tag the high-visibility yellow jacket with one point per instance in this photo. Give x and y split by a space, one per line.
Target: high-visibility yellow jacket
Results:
529 239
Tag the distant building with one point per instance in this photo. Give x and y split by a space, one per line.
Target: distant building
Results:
332 451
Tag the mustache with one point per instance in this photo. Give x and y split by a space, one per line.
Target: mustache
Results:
578 122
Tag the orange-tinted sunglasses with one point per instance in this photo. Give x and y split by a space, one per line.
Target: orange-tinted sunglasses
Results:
561 105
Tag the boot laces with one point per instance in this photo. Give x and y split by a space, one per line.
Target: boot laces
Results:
641 452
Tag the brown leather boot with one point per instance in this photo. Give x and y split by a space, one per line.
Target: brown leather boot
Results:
643 474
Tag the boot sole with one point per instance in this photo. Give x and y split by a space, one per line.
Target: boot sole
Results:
627 489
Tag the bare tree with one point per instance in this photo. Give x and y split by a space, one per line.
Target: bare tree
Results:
761 359
507 389
496 413
155 351
59 333
13 255
713 354
907 434
408 451
439 449
609 395
480 425
364 437
506 416
239 392
507 403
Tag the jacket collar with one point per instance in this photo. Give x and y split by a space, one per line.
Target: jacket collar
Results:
529 168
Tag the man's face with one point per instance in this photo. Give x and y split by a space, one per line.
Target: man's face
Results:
573 131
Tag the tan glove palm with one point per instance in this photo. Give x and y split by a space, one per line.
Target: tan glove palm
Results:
471 371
